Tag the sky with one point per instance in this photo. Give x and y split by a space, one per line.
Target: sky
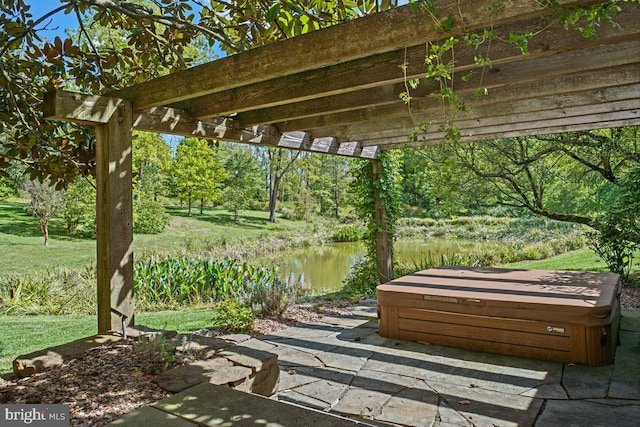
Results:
58 22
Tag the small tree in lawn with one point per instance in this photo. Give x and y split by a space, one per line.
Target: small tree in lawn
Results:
45 202
197 173
243 180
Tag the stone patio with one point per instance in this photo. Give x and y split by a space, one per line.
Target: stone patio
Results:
341 366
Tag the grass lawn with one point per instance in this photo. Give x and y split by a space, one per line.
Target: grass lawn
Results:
21 240
25 334
581 260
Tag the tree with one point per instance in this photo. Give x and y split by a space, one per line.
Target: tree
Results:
277 162
79 209
153 38
151 164
243 181
197 173
45 203
328 179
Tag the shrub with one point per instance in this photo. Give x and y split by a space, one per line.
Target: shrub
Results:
154 354
149 217
231 317
348 233
269 295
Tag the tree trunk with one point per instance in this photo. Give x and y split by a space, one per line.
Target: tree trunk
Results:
44 226
273 198
201 206
189 205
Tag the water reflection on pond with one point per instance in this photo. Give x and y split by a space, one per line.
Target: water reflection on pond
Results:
323 268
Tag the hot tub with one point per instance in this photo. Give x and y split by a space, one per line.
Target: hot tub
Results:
563 316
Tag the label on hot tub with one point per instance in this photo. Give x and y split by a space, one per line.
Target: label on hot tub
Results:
556 329
453 300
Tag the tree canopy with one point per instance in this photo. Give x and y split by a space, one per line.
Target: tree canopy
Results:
154 37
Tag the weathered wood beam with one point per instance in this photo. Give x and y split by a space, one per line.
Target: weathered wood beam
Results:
521 111
79 108
566 72
588 84
388 68
114 213
374 34
478 133
402 142
74 107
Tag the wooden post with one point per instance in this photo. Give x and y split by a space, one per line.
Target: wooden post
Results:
114 218
384 255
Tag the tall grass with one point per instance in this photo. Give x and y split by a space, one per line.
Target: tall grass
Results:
161 283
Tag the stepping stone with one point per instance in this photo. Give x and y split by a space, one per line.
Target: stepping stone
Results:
257 360
236 338
138 331
205 346
264 383
38 361
185 376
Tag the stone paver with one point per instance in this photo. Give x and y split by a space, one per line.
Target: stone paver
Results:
413 406
340 365
210 405
148 416
579 413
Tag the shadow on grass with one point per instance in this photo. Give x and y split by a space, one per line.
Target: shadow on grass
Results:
15 220
223 219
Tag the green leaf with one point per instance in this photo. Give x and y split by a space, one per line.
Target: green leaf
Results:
273 12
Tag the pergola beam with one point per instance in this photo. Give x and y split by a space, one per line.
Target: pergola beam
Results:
373 34
388 69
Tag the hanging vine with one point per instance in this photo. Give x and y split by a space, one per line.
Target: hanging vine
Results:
440 59
366 188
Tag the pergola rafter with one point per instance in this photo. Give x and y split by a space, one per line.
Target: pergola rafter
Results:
337 91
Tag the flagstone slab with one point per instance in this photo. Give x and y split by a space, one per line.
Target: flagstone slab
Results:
327 391
292 378
185 376
547 391
210 405
586 382
625 380
577 413
148 416
414 406
296 398
288 356
361 402
630 320
242 355
347 359
381 381
484 407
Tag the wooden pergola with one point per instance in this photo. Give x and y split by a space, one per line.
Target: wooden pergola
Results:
337 91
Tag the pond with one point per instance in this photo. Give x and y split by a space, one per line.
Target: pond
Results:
323 268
